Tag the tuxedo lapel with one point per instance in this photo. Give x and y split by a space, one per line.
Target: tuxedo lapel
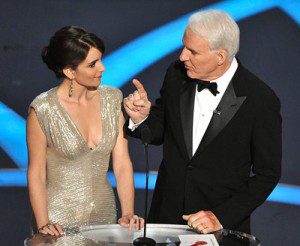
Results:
226 109
187 98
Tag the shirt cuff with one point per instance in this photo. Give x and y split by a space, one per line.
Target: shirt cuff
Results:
132 126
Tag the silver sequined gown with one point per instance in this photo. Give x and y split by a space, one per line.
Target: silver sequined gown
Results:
78 191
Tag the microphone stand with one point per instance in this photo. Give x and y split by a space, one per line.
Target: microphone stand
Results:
145 241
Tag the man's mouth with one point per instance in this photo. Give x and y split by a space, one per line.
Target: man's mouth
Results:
187 67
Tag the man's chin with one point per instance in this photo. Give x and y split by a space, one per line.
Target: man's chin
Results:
191 75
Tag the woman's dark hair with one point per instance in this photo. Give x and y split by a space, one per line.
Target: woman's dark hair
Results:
69 47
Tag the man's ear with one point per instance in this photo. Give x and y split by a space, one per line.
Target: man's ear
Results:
69 73
222 56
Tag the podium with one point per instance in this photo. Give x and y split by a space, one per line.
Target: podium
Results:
114 234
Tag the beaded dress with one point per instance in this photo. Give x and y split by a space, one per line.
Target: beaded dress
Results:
78 191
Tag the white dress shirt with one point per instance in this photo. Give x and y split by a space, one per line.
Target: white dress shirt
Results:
204 106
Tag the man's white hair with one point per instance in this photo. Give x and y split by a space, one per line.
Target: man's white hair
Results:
218 28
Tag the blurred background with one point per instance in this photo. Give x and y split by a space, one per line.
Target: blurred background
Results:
142 38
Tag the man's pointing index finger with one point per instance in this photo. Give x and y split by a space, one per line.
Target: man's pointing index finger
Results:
138 86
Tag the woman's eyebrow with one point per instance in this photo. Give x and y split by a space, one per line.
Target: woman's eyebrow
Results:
90 63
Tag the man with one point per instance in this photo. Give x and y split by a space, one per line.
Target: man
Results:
220 127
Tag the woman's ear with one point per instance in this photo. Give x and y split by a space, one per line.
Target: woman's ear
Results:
69 73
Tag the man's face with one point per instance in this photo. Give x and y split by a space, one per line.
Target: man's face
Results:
200 62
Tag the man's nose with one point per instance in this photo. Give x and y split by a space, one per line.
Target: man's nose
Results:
183 56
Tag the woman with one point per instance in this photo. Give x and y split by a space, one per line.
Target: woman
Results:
72 130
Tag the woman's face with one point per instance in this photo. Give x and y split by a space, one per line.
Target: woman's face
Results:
89 72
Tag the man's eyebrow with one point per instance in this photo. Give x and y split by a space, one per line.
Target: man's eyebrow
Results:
190 49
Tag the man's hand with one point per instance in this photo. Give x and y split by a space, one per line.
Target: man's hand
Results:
130 220
203 221
137 105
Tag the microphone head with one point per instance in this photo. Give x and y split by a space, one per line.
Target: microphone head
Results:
145 134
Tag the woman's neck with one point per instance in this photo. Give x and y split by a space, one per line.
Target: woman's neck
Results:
80 93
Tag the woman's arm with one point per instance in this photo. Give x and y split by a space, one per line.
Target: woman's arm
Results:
37 144
123 171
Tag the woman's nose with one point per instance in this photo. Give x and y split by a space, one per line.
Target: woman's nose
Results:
101 67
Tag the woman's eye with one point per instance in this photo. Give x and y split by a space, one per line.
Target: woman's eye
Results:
92 65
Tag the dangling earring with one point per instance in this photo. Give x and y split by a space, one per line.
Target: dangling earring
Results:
71 87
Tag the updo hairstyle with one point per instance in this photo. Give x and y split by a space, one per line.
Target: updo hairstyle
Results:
69 47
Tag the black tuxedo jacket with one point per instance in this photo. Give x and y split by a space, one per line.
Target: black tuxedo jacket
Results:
238 162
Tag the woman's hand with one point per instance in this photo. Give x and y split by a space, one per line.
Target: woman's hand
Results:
51 229
129 220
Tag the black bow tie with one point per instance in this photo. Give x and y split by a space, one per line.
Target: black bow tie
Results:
211 86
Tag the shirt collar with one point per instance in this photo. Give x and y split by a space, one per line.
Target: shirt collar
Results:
225 79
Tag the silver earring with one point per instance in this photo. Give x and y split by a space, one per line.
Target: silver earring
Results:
71 88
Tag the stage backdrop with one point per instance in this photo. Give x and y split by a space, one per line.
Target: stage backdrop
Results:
142 38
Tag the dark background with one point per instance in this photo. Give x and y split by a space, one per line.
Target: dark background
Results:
269 48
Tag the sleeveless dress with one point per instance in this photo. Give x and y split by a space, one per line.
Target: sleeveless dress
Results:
78 191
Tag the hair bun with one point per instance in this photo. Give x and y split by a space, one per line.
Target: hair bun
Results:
44 52
45 55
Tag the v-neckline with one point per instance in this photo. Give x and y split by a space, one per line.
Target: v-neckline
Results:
69 118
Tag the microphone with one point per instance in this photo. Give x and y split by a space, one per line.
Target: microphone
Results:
145 137
145 134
